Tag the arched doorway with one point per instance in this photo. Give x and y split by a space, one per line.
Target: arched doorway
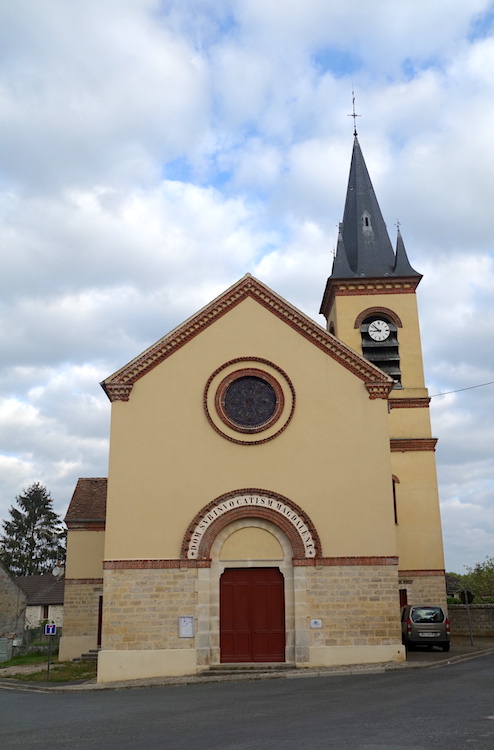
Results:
252 615
245 529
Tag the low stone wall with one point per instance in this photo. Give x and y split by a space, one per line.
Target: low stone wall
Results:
481 615
24 650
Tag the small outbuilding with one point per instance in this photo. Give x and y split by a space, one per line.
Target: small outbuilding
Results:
44 599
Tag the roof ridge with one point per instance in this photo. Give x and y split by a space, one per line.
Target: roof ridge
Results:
119 385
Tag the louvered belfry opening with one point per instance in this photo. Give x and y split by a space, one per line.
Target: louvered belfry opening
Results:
383 354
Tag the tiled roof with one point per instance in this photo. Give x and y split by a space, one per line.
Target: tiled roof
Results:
42 589
88 501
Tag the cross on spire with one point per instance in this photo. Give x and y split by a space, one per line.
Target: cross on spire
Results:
354 115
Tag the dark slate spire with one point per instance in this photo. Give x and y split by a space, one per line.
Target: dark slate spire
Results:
402 264
365 248
341 269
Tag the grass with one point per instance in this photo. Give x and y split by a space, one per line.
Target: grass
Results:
65 671
18 661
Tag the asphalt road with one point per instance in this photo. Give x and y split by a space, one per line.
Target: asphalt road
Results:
451 707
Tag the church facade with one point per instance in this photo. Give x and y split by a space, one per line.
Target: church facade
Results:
272 491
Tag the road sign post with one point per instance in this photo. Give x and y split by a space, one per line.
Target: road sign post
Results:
50 630
467 598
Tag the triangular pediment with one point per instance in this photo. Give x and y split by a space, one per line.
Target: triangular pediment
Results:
119 385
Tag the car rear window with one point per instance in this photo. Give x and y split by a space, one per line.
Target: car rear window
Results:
427 614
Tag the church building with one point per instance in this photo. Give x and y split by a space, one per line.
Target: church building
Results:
271 493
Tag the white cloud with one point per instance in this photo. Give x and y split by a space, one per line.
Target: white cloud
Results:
154 152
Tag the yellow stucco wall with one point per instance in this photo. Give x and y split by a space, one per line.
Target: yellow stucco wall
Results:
346 310
85 554
418 532
167 462
251 544
406 423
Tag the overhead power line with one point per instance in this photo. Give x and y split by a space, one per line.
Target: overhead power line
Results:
470 388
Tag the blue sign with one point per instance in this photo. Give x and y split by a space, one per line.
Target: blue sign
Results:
50 628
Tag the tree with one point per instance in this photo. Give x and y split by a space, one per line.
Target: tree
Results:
479 579
33 539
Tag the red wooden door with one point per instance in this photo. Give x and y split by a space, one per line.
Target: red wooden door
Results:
252 615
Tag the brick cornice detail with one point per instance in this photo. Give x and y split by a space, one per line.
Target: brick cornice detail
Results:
365 287
154 564
117 391
250 511
86 525
409 403
345 561
402 445
119 385
305 562
378 390
378 311
419 573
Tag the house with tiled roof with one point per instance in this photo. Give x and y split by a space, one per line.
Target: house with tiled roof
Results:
85 519
44 599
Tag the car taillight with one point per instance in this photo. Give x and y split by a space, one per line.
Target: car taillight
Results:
448 629
409 626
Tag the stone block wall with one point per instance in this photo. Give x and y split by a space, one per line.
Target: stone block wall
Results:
358 605
142 607
12 605
81 605
424 589
481 615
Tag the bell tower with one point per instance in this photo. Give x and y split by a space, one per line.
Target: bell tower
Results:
370 304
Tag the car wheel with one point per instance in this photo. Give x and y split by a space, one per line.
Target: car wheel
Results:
445 646
411 646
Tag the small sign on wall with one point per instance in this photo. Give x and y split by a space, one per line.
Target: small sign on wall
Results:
186 626
316 623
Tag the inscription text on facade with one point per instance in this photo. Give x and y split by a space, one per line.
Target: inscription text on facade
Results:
260 501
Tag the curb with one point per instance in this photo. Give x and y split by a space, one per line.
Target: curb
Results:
92 685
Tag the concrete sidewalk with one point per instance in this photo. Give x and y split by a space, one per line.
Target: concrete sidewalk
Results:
461 649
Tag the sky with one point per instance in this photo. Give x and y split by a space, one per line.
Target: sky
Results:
152 152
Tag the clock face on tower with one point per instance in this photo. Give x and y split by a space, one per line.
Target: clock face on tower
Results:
379 330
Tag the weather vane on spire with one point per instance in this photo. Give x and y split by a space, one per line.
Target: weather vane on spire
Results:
354 115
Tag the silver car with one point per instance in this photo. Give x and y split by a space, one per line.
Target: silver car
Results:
424 625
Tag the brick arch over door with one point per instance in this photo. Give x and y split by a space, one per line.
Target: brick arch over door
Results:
251 511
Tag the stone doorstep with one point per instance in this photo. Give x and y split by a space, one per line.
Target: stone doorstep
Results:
245 668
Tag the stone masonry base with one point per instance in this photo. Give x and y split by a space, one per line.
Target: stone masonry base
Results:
335 615
81 606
